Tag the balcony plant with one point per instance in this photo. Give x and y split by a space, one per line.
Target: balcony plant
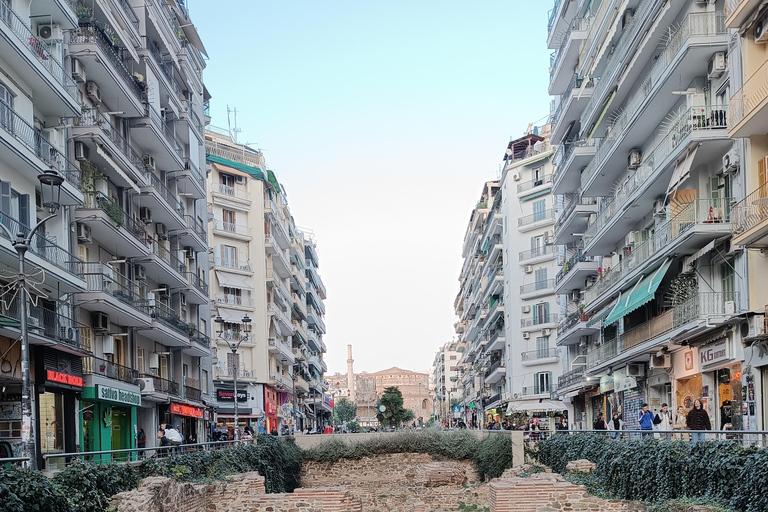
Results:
113 211
140 81
83 12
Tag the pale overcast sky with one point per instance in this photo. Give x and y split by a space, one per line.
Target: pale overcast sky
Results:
382 120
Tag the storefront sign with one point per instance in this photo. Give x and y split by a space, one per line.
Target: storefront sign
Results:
227 395
63 378
186 410
606 383
622 381
121 396
714 353
270 401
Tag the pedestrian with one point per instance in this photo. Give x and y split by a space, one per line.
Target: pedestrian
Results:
164 442
191 440
663 420
679 422
615 426
599 423
645 419
141 441
173 435
563 425
698 420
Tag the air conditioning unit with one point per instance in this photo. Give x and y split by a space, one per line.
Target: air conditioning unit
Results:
49 32
662 361
108 344
189 252
100 322
94 93
516 395
528 269
83 233
546 332
145 214
626 19
526 309
526 335
139 272
82 152
761 30
629 240
78 71
149 162
183 299
756 326
161 231
730 307
575 295
635 370
549 239
658 206
731 161
240 180
716 65
634 159
146 384
516 176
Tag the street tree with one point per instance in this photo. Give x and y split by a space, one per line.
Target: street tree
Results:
392 402
345 410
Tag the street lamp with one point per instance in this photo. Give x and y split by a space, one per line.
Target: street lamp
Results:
233 346
50 187
297 364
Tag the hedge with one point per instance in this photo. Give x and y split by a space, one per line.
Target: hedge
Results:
654 470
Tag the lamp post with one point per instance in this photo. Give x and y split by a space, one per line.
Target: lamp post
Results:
50 186
233 346
297 364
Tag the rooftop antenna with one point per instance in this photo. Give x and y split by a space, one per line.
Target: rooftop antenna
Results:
233 131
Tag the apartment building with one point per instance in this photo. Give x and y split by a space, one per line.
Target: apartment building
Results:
265 269
650 279
118 321
445 381
529 364
748 125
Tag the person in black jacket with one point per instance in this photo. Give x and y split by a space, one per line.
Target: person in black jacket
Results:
698 419
599 423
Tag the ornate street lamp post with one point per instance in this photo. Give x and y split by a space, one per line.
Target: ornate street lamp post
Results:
245 328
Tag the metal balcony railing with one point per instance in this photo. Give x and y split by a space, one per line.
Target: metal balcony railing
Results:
577 24
198 282
231 263
219 188
750 211
165 67
169 257
694 25
229 371
535 253
165 128
536 390
192 393
202 339
36 141
231 227
553 15
750 96
166 194
197 176
96 366
163 385
92 34
537 285
570 378
233 300
535 355
45 248
98 201
37 48
539 320
102 278
171 318
528 152
567 150
574 260
494 366
576 83
250 158
197 227
54 325
528 185
128 10
92 117
571 320
543 215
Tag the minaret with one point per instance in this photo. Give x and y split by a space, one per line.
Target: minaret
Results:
350 374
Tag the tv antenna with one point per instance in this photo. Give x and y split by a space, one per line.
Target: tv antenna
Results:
233 131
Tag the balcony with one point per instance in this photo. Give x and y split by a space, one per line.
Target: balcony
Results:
50 328
155 134
228 372
164 205
280 315
496 372
281 350
737 12
231 264
193 234
539 357
570 381
496 340
235 301
96 366
536 392
559 17
232 230
539 219
573 327
537 255
699 312
164 266
61 12
201 345
163 70
53 89
571 158
748 112
691 228
749 219
299 305
574 218
699 129
231 196
572 103
687 49
35 154
111 226
110 292
539 322
281 382
537 289
301 385
168 328
108 147
567 56
191 392
574 272
531 187
190 180
241 155
159 387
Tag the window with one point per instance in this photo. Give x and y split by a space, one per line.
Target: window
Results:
539 209
542 382
541 278
140 360
542 347
229 220
204 381
452 358
230 256
541 313
227 180
6 106
727 276
537 246
233 363
538 177
233 296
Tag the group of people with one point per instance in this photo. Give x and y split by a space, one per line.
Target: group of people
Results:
171 439
696 420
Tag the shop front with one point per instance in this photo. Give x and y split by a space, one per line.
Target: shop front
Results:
225 417
59 378
10 398
720 362
755 386
108 416
628 396
190 418
270 409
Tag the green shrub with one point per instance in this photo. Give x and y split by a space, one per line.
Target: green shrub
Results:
89 486
493 456
23 490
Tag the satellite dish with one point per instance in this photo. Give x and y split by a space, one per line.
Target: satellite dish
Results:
382 408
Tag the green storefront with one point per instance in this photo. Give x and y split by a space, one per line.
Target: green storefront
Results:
108 418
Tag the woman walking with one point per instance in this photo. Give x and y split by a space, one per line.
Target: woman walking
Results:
679 422
698 420
615 426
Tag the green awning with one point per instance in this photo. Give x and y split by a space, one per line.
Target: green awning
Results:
599 316
9 322
273 180
254 172
536 194
641 293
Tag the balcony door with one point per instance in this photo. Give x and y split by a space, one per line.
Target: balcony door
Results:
539 210
541 313
6 106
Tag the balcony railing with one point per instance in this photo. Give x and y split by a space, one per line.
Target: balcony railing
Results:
190 166
198 282
96 366
528 152
91 34
231 227
700 304
229 371
543 215
98 201
577 24
36 141
539 320
750 211
37 48
576 83
169 257
571 320
165 128
570 378
535 253
249 158
537 285
192 393
220 188
700 211
102 278
197 227
577 258
528 185
231 263
694 119
536 390
163 385
567 149
166 194
731 6
535 355
553 15
695 24
43 247
573 201
750 96
128 10
92 117
202 340
494 366
165 67
54 325
171 318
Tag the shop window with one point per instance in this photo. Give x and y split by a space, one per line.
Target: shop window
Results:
51 422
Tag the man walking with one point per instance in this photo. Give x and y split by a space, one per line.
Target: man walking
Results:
645 418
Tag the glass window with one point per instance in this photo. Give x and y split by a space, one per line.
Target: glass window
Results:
539 209
51 423
542 346
542 382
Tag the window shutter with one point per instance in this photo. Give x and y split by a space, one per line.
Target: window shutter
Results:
25 214
5 198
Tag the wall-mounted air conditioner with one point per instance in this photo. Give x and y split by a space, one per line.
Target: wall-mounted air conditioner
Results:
662 361
100 322
82 152
146 384
716 65
149 162
49 32
731 161
635 370
108 344
761 29
528 269
78 71
526 335
145 214
93 92
526 309
161 231
546 332
83 233
140 273
634 159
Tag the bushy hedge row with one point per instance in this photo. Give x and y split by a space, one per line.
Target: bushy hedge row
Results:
654 470
87 487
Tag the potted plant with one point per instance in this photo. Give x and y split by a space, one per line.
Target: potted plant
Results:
83 12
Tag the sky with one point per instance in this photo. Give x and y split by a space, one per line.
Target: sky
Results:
382 120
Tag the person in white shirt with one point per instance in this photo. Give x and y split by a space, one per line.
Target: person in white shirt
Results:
663 419
173 435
